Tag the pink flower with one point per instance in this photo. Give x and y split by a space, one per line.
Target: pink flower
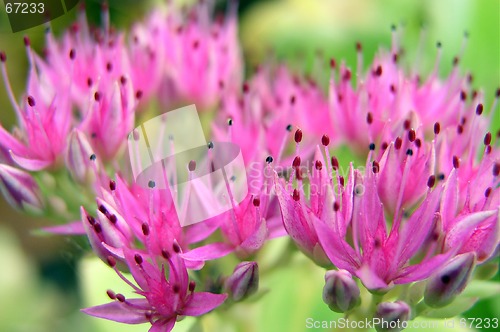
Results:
129 216
20 189
163 299
387 101
197 55
43 121
339 213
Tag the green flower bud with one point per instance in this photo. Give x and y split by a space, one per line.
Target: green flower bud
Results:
449 281
391 316
341 292
244 281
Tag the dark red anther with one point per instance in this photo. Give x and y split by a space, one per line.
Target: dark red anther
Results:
145 229
384 146
97 96
111 294
296 161
418 142
487 139
460 129
392 87
138 94
109 66
378 71
123 80
456 162
347 75
112 185
375 167
165 254
176 248
296 195
72 54
479 109
437 128
246 87
333 63
335 163
496 169
487 192
407 124
298 136
176 288
412 135
192 165
463 95
31 101
456 60
91 220
138 259
120 297
113 218
325 140
103 209
398 143
497 93
27 41
97 228
359 47
256 201
318 165
431 181
192 286
3 57
336 206
111 261
293 99
342 180
369 118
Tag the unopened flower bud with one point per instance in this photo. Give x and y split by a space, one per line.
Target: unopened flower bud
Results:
77 156
340 293
391 316
244 281
20 189
449 281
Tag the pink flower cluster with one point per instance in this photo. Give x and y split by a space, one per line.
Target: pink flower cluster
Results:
421 199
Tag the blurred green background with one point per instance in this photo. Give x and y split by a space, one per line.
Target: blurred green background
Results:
43 281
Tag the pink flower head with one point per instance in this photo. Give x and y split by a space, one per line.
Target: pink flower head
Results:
163 299
98 57
352 212
199 56
386 101
110 117
129 216
43 120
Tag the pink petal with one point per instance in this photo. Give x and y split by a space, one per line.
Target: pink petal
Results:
73 228
29 163
340 253
423 269
162 325
203 302
208 252
121 312
370 279
464 228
